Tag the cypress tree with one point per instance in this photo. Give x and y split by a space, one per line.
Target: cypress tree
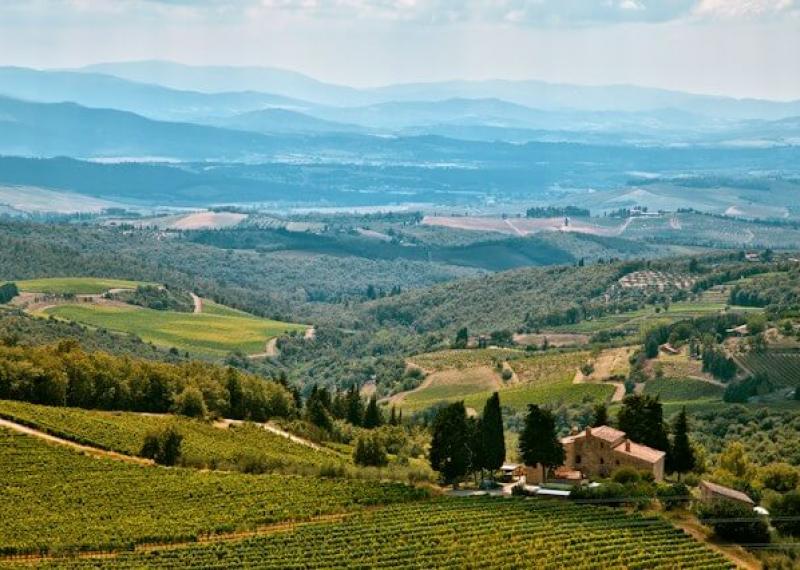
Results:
681 457
393 416
373 417
355 407
493 440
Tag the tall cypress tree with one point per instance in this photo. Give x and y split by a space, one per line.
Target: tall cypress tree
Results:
538 442
373 417
355 407
450 451
493 440
681 457
393 417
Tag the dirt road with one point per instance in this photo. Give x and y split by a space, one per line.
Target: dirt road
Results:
198 303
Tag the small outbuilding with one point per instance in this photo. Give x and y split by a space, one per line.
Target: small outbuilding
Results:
713 492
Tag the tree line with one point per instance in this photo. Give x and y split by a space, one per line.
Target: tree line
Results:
64 374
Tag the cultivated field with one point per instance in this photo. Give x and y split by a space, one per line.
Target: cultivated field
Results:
204 333
452 533
74 285
60 500
526 226
472 375
204 444
780 366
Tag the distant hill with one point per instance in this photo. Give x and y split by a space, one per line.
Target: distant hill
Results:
154 101
531 93
285 121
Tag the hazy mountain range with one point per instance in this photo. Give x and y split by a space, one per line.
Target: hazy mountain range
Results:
255 135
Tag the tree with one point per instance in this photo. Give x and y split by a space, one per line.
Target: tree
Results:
681 455
642 420
370 451
373 417
190 403
462 338
493 439
651 347
163 447
355 406
393 417
477 452
538 443
600 416
450 452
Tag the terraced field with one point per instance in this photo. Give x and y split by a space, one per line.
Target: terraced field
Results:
204 445
451 533
214 333
61 501
545 378
74 285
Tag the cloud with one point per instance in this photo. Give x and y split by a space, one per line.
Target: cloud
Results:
745 9
530 13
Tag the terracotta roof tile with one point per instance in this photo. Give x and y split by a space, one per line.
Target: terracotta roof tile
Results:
727 492
639 451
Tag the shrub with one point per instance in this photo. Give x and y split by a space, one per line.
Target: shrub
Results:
164 446
626 475
370 451
786 513
190 403
674 495
507 375
734 521
780 477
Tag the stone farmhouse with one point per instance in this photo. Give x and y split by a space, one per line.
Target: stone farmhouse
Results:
598 452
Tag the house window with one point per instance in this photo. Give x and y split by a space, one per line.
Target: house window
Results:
577 459
617 461
602 461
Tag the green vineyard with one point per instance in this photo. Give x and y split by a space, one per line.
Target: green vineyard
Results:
782 367
449 533
62 501
204 445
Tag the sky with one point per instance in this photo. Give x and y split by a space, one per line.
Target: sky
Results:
741 48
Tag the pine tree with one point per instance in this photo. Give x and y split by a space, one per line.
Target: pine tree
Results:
600 416
449 452
493 440
373 417
538 443
681 457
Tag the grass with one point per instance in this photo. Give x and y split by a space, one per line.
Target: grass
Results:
564 393
453 384
205 333
74 285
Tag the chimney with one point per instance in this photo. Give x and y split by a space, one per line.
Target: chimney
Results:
588 432
628 445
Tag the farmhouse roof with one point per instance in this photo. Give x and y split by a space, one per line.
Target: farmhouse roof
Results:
727 492
606 433
639 451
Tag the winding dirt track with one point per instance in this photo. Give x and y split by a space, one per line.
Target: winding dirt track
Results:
198 303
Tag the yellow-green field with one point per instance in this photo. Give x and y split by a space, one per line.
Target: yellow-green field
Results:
472 376
74 285
211 334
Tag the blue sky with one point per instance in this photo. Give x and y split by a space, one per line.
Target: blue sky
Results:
746 48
